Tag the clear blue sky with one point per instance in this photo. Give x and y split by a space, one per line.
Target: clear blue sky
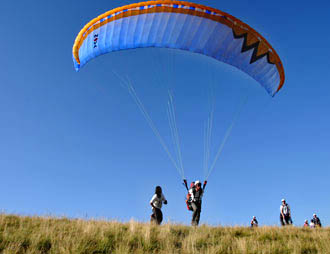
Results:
75 144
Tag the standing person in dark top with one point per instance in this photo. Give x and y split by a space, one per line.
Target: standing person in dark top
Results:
196 204
316 220
156 203
254 222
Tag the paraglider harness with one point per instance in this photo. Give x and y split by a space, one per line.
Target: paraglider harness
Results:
190 190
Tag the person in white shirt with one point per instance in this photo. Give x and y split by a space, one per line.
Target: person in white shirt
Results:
285 215
156 203
196 204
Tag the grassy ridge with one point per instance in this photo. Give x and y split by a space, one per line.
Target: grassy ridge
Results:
60 235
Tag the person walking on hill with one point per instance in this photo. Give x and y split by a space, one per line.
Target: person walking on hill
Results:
285 215
316 220
254 222
156 203
196 203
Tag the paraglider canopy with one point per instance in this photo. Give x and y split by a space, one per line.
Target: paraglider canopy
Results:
186 26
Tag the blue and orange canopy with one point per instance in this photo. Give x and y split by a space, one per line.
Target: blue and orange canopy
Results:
186 26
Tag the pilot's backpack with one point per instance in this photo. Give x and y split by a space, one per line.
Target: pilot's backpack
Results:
188 198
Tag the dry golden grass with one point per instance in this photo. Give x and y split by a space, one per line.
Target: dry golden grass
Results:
60 235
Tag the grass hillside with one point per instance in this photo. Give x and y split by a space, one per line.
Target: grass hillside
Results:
60 235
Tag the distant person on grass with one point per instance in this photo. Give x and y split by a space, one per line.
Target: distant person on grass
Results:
196 203
254 222
316 220
306 224
285 215
156 203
